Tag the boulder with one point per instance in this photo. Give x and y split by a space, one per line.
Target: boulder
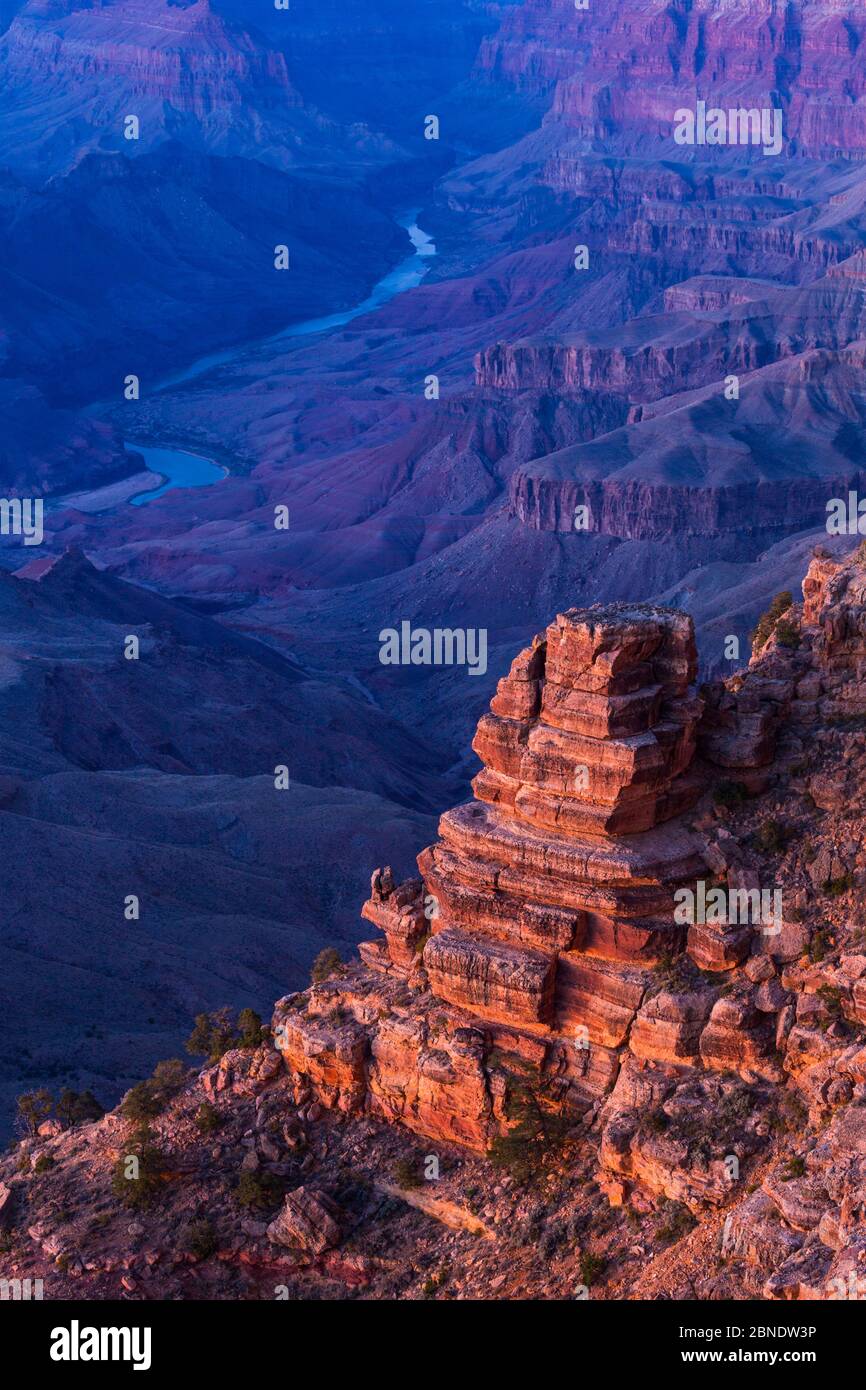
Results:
309 1221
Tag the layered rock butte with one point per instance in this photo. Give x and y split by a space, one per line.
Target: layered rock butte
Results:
542 934
550 896
710 1076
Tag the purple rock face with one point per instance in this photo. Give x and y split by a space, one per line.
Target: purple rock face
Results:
483 315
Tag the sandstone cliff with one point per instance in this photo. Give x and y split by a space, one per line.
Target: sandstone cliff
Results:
540 1013
543 937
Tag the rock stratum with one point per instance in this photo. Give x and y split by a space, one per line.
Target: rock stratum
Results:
544 1073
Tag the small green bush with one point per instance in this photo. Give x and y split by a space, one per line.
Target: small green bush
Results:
43 1163
796 1168
831 998
657 1121
771 836
141 1103
787 635
591 1267
207 1118
728 793
678 1221
149 1098
819 946
214 1034
200 1239
326 964
406 1173
32 1108
434 1283
137 1190
256 1190
78 1108
250 1030
838 887
768 621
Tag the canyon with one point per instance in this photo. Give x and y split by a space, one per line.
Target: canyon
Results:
580 1080
694 391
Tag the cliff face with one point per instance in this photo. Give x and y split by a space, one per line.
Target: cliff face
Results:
616 74
550 895
704 262
545 935
630 974
73 73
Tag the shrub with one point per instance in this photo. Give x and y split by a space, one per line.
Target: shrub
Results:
32 1108
431 1286
657 1121
675 973
214 1034
768 621
678 1221
149 1098
838 887
727 793
140 1104
169 1076
199 1239
795 1169
831 998
771 836
406 1173
78 1108
819 946
591 1266
256 1190
787 635
326 964
534 1131
735 1107
207 1118
138 1187
43 1163
250 1030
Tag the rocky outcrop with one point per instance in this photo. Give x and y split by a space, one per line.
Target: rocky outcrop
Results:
546 927
308 1221
707 1071
546 907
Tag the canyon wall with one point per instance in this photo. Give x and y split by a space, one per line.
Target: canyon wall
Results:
545 937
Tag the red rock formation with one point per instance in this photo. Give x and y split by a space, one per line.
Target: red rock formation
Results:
543 929
545 902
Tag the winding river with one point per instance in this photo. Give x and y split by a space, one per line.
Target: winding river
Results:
178 468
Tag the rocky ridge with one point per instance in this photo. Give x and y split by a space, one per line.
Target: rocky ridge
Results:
542 936
585 1067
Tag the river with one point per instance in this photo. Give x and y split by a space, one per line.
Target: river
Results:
178 468
405 276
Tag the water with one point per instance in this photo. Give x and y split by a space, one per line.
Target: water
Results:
191 470
405 276
179 470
